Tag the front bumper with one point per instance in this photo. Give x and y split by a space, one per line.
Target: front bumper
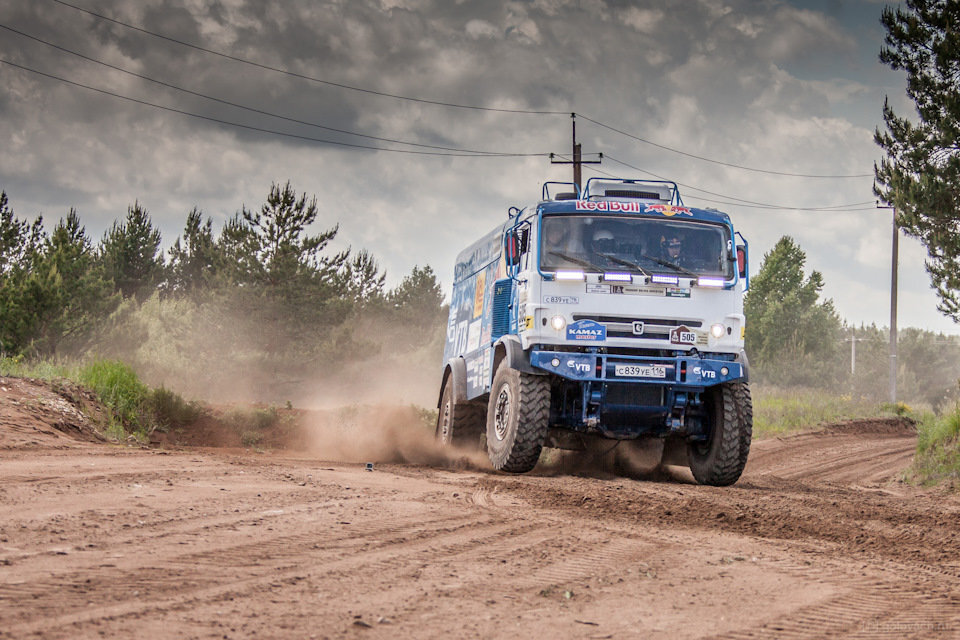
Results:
693 372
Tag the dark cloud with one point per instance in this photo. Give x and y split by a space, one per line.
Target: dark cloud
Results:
773 84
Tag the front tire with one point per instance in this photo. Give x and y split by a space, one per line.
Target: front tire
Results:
720 460
517 419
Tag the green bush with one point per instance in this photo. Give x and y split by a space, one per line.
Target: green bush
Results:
119 388
168 409
935 431
938 450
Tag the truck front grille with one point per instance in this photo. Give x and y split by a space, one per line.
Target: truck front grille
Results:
653 328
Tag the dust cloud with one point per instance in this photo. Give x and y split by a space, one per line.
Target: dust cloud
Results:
382 434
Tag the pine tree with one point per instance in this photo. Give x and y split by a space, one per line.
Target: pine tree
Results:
130 251
195 259
790 337
71 292
293 292
920 175
21 247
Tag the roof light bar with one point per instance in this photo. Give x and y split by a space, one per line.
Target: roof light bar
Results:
711 282
569 275
661 279
617 277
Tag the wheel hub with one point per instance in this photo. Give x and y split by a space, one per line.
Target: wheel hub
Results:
501 414
445 424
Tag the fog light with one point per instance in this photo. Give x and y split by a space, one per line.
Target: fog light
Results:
717 330
555 362
724 371
558 323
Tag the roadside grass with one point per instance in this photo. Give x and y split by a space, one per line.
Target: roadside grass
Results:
134 408
20 367
938 451
778 411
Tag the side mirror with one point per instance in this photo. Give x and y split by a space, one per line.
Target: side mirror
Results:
742 261
511 248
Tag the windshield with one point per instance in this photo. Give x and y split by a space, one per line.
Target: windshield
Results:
635 245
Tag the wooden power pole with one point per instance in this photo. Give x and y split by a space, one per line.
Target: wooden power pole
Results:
577 160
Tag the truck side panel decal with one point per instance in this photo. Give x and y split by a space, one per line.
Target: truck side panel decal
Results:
470 325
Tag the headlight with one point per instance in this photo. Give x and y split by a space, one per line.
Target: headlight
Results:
717 330
558 323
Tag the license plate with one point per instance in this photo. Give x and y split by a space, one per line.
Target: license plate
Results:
638 371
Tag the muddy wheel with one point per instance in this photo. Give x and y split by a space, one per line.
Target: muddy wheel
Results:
459 424
720 460
517 417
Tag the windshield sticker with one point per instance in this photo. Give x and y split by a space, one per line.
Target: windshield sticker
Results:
612 207
586 331
638 290
561 299
677 292
668 210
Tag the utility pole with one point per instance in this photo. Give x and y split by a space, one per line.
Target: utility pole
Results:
577 148
578 160
893 309
893 303
853 355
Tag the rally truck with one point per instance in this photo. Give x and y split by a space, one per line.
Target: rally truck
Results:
610 314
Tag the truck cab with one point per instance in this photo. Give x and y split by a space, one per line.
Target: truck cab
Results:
615 313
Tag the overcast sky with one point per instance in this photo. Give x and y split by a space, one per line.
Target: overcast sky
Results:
793 87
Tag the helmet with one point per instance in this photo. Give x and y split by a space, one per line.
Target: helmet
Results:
672 241
603 241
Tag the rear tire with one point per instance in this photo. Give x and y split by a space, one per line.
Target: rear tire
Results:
720 460
517 419
459 424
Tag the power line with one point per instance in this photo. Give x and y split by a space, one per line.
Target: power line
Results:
301 76
271 131
234 104
720 162
741 202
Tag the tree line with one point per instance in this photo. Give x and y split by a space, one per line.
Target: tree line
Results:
795 338
265 291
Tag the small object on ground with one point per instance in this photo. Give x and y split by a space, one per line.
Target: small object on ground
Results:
369 466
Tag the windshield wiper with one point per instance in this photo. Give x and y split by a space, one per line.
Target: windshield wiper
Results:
670 265
583 263
626 263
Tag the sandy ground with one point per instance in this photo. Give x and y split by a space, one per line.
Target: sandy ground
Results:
817 540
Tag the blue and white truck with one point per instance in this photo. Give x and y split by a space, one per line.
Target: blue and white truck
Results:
613 312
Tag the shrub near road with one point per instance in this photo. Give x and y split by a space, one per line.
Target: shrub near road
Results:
938 451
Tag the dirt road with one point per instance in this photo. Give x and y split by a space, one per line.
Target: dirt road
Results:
815 541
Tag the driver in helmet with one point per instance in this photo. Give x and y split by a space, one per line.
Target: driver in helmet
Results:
603 243
672 250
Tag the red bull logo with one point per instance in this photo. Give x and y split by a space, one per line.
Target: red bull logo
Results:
668 210
610 207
